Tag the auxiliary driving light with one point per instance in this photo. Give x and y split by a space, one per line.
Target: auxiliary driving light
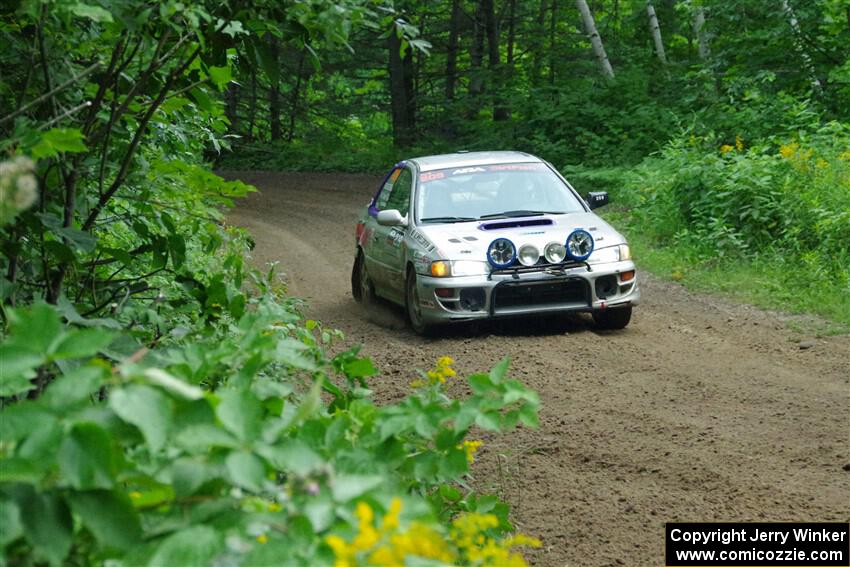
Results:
555 252
579 245
501 253
528 255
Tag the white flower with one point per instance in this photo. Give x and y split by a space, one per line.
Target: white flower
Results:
26 194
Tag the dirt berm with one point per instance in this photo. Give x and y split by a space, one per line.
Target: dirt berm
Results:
701 410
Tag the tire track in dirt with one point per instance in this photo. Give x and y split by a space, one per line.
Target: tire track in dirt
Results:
702 410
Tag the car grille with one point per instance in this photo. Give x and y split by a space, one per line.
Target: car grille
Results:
508 296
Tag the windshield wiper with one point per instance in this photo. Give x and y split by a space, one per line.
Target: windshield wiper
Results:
448 219
519 213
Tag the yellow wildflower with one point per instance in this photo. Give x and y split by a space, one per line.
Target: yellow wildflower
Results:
390 522
263 538
788 150
739 143
342 552
274 507
438 374
726 148
368 535
821 163
470 447
445 361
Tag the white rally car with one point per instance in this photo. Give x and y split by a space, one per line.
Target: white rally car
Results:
468 236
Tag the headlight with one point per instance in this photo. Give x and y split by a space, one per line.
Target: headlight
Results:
528 255
449 268
579 245
555 252
501 253
610 254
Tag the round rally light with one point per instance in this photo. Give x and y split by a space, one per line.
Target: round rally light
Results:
501 253
555 252
528 255
579 245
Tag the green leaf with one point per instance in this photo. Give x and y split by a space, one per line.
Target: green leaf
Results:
83 241
81 343
147 409
47 524
359 368
35 329
498 372
348 487
246 470
187 476
109 516
73 388
241 413
86 459
487 421
198 438
294 455
193 547
59 140
17 367
94 13
454 464
528 416
11 527
221 76
480 383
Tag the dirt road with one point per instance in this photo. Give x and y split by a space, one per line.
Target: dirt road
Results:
701 410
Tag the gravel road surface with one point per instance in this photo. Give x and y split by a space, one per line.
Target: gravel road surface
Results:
701 410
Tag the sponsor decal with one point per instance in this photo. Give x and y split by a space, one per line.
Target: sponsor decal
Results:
420 239
431 176
465 170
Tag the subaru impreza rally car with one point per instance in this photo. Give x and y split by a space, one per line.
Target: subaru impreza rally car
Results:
477 235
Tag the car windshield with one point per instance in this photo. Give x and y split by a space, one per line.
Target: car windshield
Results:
492 192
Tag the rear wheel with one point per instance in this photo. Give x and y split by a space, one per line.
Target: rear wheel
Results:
361 286
414 309
613 319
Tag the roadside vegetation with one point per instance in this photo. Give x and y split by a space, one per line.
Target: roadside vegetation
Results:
161 401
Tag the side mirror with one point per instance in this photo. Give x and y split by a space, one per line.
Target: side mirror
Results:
391 217
596 199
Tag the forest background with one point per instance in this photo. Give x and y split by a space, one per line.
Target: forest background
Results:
164 402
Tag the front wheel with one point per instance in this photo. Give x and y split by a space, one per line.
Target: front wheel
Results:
614 318
414 309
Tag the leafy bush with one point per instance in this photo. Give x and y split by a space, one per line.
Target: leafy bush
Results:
781 205
226 449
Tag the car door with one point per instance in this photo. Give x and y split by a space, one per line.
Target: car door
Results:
382 244
390 243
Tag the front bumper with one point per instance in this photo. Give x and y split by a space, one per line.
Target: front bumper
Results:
444 300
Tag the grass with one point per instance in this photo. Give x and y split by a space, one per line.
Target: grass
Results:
766 282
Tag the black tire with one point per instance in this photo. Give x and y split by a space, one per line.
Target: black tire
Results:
411 303
361 286
613 319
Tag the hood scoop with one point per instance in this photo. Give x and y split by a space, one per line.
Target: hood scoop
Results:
514 223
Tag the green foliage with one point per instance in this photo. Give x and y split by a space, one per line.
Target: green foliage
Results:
162 471
780 206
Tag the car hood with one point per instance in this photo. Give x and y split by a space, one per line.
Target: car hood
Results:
469 240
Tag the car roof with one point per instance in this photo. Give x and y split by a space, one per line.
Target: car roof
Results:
469 159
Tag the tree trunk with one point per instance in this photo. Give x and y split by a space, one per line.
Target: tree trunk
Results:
493 59
511 32
476 56
231 108
655 29
274 94
553 23
817 87
699 32
252 107
296 93
595 40
400 91
537 44
451 53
